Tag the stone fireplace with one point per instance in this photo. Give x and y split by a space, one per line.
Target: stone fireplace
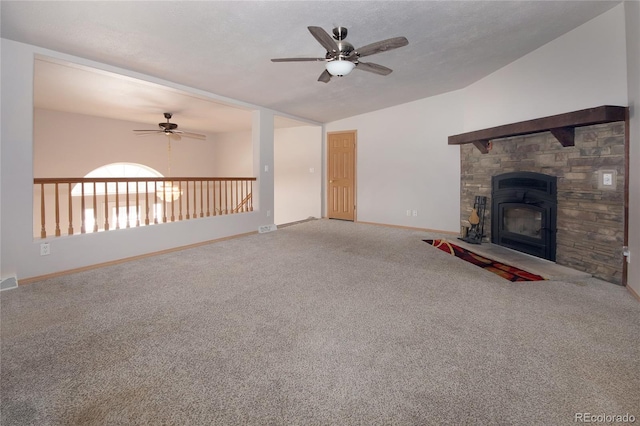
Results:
590 217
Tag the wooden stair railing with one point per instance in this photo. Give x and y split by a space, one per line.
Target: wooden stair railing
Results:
101 204
242 204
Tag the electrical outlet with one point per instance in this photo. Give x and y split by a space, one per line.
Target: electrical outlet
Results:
45 249
268 213
415 212
607 179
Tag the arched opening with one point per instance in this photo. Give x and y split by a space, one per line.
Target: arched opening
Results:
118 170
125 215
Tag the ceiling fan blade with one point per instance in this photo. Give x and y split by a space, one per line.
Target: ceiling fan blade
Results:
325 77
374 68
382 46
298 59
146 132
191 135
324 39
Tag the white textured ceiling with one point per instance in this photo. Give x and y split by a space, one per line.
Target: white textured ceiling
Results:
225 47
77 89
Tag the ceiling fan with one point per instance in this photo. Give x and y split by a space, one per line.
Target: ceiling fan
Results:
341 57
171 130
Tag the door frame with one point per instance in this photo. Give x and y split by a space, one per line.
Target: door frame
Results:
355 172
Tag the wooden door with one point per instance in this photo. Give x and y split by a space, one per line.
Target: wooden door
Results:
342 175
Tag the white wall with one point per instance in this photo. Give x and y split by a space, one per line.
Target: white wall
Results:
20 253
296 150
72 145
632 26
584 68
298 190
404 162
233 154
263 161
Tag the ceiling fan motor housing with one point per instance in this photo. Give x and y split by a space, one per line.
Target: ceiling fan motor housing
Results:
346 49
168 126
343 61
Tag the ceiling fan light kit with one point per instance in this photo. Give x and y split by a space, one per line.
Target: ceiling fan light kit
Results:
167 191
341 57
340 67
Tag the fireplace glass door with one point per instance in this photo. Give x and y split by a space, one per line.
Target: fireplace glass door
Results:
522 221
525 228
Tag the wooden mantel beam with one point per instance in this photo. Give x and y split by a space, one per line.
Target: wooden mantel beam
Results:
562 126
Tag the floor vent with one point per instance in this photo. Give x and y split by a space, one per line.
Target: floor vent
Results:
267 228
8 283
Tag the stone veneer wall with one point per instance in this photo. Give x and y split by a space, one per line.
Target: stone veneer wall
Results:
590 220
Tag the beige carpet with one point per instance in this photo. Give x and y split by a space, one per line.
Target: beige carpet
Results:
323 322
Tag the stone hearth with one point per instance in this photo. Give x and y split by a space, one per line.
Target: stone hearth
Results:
590 220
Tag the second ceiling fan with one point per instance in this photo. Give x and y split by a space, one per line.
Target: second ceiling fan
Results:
171 130
341 57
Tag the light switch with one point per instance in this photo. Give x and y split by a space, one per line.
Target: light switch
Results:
607 179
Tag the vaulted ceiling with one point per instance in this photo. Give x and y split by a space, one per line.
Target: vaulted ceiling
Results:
225 47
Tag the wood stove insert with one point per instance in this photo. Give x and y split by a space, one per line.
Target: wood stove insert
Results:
523 213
